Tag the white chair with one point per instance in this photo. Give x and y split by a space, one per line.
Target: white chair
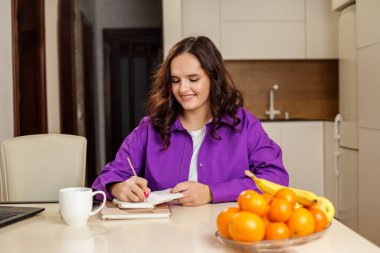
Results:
36 166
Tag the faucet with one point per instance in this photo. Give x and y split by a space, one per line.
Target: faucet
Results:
272 112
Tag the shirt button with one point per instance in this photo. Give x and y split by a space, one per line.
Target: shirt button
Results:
201 165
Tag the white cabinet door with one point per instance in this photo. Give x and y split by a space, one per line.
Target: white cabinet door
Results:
368 22
369 86
172 23
273 129
321 30
255 29
263 40
302 147
369 174
201 17
347 208
260 10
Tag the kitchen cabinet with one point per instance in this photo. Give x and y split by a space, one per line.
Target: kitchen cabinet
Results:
262 29
368 179
172 25
368 61
321 30
263 40
368 22
302 145
369 86
200 17
368 51
256 29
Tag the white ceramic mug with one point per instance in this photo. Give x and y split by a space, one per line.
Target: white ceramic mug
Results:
75 204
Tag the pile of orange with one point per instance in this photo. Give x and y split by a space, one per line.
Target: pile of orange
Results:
266 217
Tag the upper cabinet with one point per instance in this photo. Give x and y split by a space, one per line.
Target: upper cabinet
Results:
368 22
258 29
321 30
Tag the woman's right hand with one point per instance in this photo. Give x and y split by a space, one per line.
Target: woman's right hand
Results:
131 190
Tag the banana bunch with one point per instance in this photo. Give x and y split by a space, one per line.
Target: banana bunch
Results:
304 198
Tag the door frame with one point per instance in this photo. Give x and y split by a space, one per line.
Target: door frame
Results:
66 65
29 82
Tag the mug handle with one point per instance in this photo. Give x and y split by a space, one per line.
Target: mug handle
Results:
103 203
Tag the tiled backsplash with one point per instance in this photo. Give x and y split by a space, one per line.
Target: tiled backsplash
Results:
308 89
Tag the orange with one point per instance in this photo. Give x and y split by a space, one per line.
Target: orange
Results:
223 219
276 231
321 221
280 210
246 227
266 220
252 201
287 194
267 197
301 223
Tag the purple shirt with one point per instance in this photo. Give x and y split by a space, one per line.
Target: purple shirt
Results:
221 163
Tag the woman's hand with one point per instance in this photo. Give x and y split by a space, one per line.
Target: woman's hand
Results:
195 193
131 190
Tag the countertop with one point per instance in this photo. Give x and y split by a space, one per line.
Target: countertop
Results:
294 120
189 229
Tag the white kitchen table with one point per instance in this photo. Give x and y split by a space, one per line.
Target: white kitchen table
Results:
189 229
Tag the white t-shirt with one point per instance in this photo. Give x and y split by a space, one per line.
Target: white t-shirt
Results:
197 136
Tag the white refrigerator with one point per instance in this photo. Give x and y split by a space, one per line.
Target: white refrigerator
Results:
346 124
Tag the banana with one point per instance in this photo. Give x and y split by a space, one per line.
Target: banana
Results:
305 198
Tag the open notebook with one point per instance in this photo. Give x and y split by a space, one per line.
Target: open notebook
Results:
155 198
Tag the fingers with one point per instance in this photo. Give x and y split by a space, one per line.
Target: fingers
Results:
131 189
195 193
181 187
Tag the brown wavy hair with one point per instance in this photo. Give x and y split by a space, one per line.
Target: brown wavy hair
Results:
225 98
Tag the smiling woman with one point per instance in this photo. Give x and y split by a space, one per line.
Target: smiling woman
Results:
197 138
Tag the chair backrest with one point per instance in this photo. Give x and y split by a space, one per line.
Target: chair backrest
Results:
36 166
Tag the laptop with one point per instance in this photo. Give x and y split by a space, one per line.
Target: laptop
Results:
12 214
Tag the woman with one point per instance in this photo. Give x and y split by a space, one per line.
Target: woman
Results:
197 138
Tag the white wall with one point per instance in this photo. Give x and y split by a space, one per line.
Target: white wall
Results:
52 74
6 76
118 14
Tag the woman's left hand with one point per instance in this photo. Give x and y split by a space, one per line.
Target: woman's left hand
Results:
195 193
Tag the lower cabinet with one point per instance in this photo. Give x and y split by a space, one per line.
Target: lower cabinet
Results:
302 144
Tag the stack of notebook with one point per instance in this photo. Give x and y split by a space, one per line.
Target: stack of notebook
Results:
155 206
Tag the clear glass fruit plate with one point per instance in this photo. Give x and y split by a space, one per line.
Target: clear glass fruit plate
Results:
271 245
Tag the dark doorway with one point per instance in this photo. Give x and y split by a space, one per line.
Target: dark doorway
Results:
30 112
130 55
67 84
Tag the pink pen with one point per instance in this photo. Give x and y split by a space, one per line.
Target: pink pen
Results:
134 173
